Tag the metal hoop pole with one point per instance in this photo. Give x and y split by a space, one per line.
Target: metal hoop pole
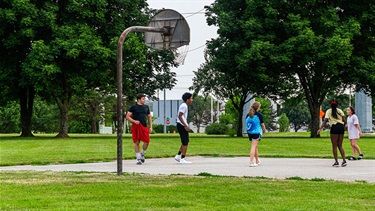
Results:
119 85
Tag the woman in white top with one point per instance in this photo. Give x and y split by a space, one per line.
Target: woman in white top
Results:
354 132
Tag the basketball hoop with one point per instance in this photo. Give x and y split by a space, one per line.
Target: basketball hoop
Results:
178 38
168 30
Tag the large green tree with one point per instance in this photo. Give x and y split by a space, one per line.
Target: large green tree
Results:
22 22
237 68
77 50
317 47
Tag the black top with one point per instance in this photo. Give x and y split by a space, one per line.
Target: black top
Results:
140 112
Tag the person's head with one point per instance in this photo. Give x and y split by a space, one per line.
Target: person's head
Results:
141 98
187 98
254 108
334 103
350 111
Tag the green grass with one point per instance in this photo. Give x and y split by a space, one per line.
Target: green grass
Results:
27 190
31 190
45 149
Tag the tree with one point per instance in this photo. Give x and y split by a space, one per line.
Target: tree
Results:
308 46
235 66
199 112
22 22
76 51
298 114
283 122
268 112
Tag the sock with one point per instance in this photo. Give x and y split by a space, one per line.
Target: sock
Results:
182 156
143 152
138 155
179 153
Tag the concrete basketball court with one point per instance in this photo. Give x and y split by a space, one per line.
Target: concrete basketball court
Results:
281 168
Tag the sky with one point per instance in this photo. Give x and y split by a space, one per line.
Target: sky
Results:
200 33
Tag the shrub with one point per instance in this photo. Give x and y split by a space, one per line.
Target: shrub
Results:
217 128
160 128
283 121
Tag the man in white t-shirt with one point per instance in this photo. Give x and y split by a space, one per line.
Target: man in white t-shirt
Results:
183 127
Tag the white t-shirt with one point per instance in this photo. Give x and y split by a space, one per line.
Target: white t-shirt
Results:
352 128
184 109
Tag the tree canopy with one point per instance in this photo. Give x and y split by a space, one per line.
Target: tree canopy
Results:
60 49
286 48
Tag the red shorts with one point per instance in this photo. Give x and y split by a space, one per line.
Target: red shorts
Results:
140 133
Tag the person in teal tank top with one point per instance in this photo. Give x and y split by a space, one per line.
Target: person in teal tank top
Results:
255 129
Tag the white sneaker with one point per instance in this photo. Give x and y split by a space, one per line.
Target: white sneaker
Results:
253 165
177 158
184 161
258 162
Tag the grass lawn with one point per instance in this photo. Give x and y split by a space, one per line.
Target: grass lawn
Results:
27 190
45 149
30 190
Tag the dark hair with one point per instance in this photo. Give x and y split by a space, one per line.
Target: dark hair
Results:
186 96
334 103
352 109
139 96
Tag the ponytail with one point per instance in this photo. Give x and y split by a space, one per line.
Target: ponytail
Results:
253 109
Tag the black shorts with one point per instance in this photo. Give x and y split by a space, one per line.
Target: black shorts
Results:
337 129
184 135
254 136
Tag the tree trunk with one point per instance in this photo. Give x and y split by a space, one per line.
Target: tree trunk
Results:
315 121
64 107
26 96
240 113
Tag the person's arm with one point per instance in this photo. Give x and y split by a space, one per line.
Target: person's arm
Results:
181 118
359 129
150 122
322 126
343 120
130 119
263 128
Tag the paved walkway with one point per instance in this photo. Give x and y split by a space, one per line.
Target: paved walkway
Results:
363 170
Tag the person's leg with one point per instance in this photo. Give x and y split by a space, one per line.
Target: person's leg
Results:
340 139
356 147
254 144
136 146
334 138
256 155
353 143
183 150
137 153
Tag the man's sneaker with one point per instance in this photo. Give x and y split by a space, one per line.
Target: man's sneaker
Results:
352 158
184 161
253 165
139 162
336 164
258 162
360 156
343 164
143 158
177 158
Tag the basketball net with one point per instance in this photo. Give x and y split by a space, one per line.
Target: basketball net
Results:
180 54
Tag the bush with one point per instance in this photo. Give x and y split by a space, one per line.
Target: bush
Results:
217 128
283 121
160 128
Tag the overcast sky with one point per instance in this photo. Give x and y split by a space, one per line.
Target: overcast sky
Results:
200 32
